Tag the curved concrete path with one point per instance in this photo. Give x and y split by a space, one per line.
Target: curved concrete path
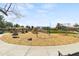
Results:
20 50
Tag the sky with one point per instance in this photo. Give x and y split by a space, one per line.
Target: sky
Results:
44 14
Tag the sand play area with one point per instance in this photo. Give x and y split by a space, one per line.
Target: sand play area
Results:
43 39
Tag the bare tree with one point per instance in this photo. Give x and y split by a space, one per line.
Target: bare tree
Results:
5 9
11 9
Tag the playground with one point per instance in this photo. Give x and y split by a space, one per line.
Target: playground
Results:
43 39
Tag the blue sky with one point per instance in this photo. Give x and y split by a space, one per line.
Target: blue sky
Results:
42 14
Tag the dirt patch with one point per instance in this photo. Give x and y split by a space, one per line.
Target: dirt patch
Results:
43 39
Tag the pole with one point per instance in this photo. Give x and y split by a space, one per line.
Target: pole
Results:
49 28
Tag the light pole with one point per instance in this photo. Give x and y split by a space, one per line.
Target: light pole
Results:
49 28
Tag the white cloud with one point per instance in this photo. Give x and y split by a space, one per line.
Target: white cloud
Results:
42 11
49 6
24 6
46 8
29 6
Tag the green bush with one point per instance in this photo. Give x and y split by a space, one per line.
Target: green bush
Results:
1 32
60 31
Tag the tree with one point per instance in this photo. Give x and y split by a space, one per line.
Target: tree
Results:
2 22
9 24
61 27
22 26
15 33
76 25
22 29
6 8
35 31
16 25
32 27
58 26
28 28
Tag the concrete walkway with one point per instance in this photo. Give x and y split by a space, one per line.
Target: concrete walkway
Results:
20 50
